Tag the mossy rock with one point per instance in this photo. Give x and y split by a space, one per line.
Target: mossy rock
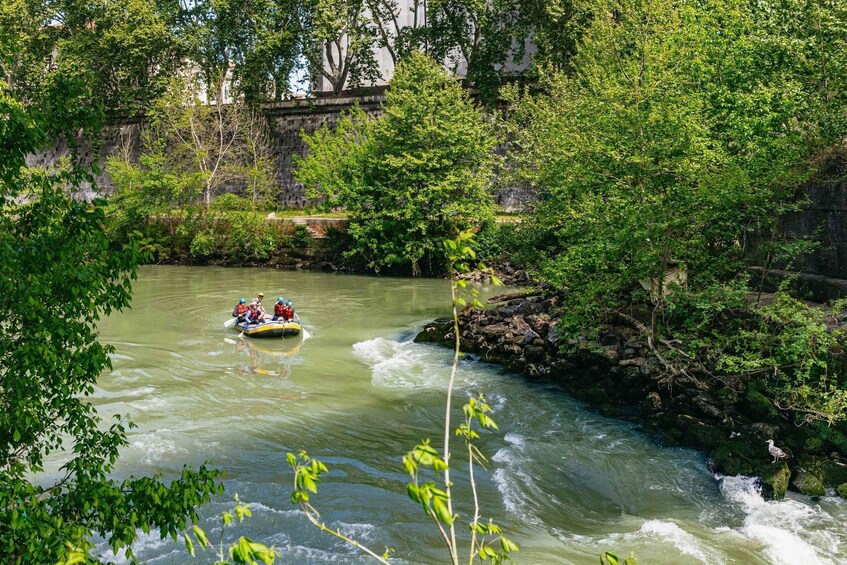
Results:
808 483
828 471
727 396
814 445
730 461
761 406
703 436
774 480
842 490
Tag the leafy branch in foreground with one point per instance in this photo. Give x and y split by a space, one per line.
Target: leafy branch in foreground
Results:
307 475
243 550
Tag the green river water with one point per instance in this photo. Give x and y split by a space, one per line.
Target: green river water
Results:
564 482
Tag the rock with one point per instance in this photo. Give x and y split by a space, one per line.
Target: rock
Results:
494 332
610 339
628 353
534 354
535 371
703 436
765 431
611 353
807 483
761 407
775 481
539 323
529 335
704 404
842 490
652 404
430 334
729 459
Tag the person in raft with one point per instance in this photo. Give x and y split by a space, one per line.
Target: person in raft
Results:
288 310
255 313
240 310
259 298
279 308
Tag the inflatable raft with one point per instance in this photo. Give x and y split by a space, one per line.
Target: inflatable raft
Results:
271 328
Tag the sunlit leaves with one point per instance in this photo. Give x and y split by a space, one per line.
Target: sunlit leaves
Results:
411 177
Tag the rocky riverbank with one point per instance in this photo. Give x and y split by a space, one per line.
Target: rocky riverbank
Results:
620 376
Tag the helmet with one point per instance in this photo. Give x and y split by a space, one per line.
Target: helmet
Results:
261 295
241 301
279 299
288 303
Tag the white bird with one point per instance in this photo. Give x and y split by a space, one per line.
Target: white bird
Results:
776 452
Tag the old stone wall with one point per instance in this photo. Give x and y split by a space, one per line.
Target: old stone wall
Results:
820 273
287 119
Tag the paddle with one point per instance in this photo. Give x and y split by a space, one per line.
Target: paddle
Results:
231 322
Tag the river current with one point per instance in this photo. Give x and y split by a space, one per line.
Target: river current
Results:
563 482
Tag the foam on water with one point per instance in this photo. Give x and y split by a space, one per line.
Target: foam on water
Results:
790 531
399 364
156 448
670 533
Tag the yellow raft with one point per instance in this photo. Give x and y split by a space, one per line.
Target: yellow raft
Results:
271 328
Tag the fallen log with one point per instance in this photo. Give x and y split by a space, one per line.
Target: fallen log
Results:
513 295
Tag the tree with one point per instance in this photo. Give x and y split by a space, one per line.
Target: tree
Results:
675 134
53 247
338 42
123 50
412 177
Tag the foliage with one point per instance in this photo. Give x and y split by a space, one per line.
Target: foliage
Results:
338 42
487 542
191 150
680 129
243 550
122 50
789 345
249 236
54 246
230 202
412 177
609 558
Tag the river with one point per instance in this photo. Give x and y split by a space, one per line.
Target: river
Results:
564 482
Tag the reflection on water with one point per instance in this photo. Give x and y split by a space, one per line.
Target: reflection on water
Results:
358 394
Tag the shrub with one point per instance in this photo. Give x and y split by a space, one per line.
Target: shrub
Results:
204 245
231 202
249 237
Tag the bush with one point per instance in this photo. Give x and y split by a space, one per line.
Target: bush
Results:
231 202
301 236
249 237
204 245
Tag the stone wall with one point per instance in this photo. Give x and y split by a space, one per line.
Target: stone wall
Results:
286 119
821 273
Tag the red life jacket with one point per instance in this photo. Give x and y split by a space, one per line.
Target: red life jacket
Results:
253 311
241 309
278 309
288 312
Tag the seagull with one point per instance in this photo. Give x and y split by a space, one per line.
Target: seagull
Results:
776 452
